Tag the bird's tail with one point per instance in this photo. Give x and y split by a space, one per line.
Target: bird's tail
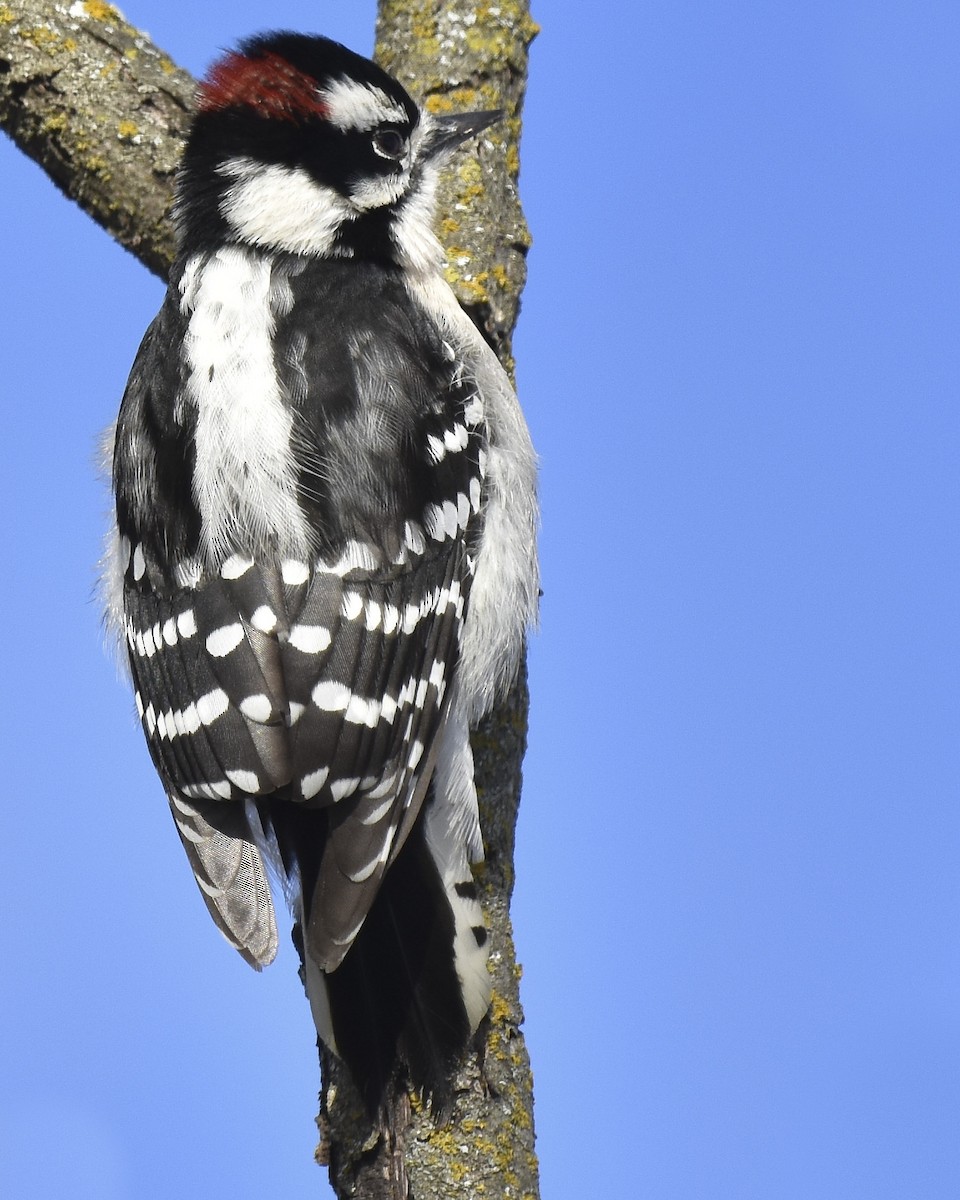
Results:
414 985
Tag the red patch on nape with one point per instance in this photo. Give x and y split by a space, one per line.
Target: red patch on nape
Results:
269 85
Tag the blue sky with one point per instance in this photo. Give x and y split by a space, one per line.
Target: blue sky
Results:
738 898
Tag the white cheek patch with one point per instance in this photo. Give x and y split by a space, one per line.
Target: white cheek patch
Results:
378 193
282 207
353 106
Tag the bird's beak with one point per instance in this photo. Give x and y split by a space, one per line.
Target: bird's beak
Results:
449 130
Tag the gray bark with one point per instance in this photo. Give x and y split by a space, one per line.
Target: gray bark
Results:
104 112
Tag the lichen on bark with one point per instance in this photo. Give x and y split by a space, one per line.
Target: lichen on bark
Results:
101 109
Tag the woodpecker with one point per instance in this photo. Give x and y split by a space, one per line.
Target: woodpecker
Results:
323 563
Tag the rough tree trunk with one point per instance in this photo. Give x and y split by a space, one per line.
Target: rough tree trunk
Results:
104 112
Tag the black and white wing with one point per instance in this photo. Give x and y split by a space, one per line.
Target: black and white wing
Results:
270 681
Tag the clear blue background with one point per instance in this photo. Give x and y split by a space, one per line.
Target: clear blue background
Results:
738 897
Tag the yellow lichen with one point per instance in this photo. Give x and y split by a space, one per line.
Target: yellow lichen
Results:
424 30
520 1118
41 37
494 44
55 123
471 290
499 1008
127 130
443 1141
438 103
101 11
96 164
6 16
470 174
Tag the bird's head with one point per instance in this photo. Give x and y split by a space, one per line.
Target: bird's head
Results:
300 145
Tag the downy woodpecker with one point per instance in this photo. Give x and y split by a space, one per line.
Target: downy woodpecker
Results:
324 557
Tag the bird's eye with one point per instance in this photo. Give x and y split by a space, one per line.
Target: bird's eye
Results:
389 143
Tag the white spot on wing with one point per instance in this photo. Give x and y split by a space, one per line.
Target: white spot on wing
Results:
364 872
385 788
190 719
257 708
473 411
331 696
356 556
293 572
378 813
246 781
236 566
450 521
406 693
351 605
188 573
264 619
213 790
343 787
413 537
455 439
187 623
361 711
222 641
391 618
434 523
149 645
213 705
312 783
309 639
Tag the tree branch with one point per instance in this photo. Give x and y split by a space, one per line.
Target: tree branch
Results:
104 112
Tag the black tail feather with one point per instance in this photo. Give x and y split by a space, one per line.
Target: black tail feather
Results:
395 1000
